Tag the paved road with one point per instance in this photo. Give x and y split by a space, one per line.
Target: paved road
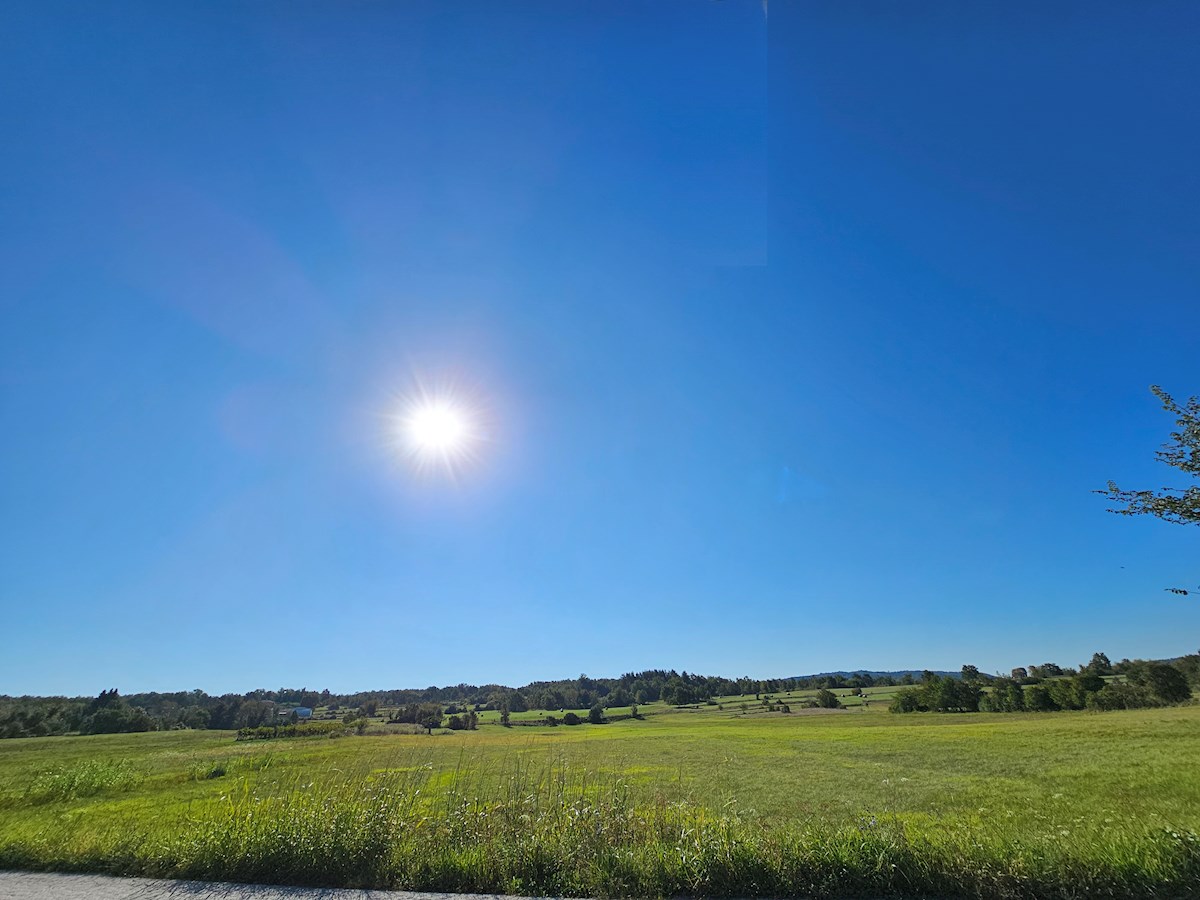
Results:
46 886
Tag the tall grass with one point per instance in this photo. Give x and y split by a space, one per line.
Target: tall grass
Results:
207 769
561 831
85 779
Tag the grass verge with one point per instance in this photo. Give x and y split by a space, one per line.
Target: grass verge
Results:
549 831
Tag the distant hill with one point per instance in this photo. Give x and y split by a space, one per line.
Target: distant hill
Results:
915 673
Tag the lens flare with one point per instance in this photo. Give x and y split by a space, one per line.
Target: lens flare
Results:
438 431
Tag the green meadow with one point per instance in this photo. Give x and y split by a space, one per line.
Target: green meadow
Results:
710 801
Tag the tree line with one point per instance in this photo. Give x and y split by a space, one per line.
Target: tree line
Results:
1146 683
1050 687
112 712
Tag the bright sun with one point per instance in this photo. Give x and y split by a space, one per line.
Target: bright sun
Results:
439 432
437 428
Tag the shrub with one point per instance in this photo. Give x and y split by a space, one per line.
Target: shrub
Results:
1190 667
1166 682
1006 696
571 719
305 729
906 701
1064 694
1122 696
946 694
828 699
1038 699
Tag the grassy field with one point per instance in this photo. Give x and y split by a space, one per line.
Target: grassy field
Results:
708 801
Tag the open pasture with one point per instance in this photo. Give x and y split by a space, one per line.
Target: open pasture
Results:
701 801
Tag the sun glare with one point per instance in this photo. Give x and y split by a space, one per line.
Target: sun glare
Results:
439 432
440 428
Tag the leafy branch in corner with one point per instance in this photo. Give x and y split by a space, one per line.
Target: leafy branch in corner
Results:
1180 506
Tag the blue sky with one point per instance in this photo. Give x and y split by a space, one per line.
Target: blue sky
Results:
802 342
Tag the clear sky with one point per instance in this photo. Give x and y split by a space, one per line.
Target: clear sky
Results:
802 341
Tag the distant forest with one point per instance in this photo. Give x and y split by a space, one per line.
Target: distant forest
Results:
112 712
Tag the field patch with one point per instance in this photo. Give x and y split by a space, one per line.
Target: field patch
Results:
709 802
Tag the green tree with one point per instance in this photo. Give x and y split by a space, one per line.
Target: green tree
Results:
618 697
1180 506
253 713
596 715
947 694
1190 667
1166 682
1006 695
1122 696
906 701
1088 682
429 716
828 699
1038 699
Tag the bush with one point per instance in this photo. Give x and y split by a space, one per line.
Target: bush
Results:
1088 683
1038 699
1006 696
1166 682
306 729
1122 696
939 694
906 701
596 715
571 719
1190 667
828 700
1064 694
946 694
